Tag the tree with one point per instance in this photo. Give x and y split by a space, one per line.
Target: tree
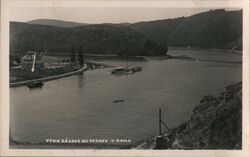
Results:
80 56
73 57
164 49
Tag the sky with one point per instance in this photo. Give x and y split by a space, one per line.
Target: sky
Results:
95 15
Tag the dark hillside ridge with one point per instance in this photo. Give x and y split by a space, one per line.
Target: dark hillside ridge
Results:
213 29
216 123
67 24
96 39
56 23
158 30
216 29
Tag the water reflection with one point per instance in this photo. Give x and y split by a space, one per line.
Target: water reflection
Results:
34 89
80 80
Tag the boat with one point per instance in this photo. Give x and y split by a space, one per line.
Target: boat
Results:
136 69
35 84
126 70
118 100
120 70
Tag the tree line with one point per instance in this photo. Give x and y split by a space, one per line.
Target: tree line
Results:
79 54
95 39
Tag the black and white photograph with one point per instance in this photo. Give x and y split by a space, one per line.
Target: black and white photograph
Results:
125 78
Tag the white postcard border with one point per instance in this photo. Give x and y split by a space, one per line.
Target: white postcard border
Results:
4 79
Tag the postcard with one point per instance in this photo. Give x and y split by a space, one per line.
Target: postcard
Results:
124 78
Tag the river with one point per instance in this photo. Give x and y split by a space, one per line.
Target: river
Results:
81 106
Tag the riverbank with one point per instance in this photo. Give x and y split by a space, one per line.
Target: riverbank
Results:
48 75
114 56
208 49
44 79
215 124
98 56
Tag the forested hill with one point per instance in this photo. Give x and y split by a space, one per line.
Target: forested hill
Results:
96 39
212 29
56 23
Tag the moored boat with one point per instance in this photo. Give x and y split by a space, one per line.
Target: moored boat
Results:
124 70
35 84
136 69
119 70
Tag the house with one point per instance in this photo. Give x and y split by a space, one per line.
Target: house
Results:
28 59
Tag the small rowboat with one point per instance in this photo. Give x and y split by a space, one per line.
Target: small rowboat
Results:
118 100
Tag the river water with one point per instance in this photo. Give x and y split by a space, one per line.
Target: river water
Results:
81 106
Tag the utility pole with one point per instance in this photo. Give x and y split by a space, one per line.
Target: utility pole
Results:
159 121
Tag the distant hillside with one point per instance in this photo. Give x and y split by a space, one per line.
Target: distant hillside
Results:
158 30
56 23
212 29
97 39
